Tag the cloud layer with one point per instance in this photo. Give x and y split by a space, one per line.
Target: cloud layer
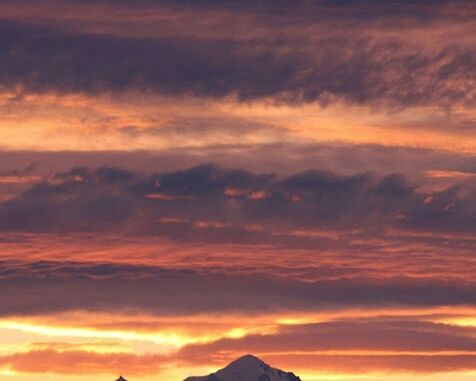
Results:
313 64
185 182
248 206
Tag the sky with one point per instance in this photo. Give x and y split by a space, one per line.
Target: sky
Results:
185 182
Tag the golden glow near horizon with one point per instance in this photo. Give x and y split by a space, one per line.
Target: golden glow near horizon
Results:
62 337
83 337
169 338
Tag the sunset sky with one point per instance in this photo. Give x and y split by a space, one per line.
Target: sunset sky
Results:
186 181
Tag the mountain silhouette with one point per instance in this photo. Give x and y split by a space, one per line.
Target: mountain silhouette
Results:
247 368
121 379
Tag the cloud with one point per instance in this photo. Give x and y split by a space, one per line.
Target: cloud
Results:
351 364
114 200
283 159
81 362
350 65
396 345
158 290
352 336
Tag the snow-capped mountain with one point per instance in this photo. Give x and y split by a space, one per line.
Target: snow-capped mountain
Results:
247 368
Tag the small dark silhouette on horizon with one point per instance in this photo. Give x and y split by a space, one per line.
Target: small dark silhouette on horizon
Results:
121 379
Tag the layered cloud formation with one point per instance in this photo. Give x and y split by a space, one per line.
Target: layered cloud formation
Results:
214 199
185 182
304 61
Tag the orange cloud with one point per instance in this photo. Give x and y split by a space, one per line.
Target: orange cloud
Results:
82 362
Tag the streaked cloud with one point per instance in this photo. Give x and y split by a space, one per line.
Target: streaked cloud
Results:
185 182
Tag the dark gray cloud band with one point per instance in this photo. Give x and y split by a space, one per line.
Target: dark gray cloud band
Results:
344 65
230 201
50 287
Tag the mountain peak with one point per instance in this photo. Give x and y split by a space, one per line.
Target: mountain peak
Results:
247 368
247 360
